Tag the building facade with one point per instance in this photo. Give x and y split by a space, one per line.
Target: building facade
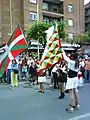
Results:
26 12
87 17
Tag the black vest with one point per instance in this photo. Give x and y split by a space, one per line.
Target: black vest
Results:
72 74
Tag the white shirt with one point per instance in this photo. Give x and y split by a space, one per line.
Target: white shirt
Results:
55 68
9 65
82 64
71 63
64 69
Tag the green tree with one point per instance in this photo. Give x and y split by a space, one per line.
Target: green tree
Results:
37 31
61 29
82 39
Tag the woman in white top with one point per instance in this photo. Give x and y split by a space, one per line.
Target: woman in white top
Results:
72 81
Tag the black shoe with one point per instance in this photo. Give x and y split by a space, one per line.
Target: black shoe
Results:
55 87
66 91
62 96
41 91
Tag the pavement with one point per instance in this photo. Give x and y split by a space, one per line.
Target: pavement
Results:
25 103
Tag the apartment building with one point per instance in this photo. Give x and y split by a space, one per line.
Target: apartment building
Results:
87 17
25 12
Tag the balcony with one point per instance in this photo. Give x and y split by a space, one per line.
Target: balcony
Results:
87 13
51 9
53 1
87 21
52 14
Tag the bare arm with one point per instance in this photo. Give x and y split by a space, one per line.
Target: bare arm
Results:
67 58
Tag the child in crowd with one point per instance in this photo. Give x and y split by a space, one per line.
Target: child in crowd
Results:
80 78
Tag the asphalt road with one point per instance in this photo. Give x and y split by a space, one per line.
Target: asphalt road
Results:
25 103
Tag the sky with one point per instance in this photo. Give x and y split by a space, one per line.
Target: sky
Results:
86 1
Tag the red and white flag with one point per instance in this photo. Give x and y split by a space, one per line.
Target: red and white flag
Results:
15 45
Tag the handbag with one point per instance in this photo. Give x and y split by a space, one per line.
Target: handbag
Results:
15 71
24 69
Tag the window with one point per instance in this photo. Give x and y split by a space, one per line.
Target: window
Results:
45 19
70 8
70 36
45 6
70 22
55 9
33 15
33 1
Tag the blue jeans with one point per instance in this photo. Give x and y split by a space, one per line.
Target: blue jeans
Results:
8 76
87 75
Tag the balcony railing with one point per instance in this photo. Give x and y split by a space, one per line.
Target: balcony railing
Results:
53 1
52 14
87 14
54 10
87 21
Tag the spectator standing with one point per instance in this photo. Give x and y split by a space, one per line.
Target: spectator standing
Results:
80 78
32 72
24 69
87 70
82 67
8 73
14 73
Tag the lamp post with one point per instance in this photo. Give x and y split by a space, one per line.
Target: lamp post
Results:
37 23
11 15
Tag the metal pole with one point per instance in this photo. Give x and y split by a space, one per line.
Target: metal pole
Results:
11 15
37 23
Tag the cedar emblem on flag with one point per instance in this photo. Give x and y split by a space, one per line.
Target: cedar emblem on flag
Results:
52 53
16 45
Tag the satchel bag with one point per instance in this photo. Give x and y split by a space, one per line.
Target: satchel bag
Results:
15 71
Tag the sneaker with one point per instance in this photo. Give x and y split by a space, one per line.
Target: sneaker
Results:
69 109
41 91
76 107
77 90
50 85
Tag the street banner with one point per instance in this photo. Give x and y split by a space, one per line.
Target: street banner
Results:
15 45
52 53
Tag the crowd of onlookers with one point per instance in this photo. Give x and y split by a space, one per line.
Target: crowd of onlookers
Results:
25 65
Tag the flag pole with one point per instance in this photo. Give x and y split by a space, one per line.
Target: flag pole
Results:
37 23
11 15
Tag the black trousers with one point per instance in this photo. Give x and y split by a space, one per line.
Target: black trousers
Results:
55 77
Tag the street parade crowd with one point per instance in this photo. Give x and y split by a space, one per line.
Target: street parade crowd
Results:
67 76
